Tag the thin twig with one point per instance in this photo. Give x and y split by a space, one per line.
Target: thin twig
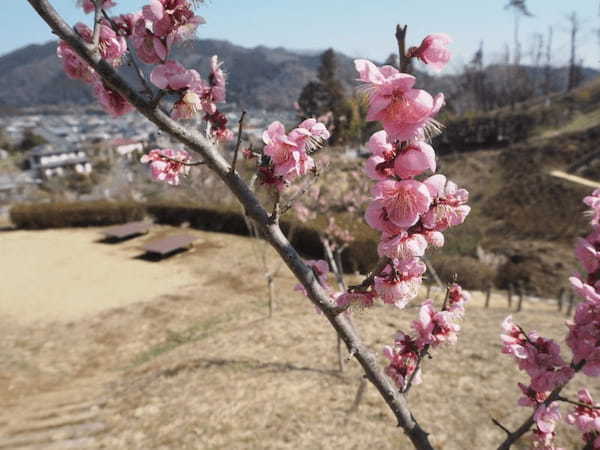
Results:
276 213
403 60
183 163
285 208
411 379
239 141
502 427
576 403
368 281
97 18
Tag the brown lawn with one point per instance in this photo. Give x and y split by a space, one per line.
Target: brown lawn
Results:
102 350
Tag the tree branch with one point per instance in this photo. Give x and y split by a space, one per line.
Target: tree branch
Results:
97 18
272 232
403 60
239 141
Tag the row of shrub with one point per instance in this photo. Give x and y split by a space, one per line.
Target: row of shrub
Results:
361 254
74 214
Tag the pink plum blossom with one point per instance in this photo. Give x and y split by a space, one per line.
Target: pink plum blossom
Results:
414 159
172 75
400 283
379 145
457 297
112 47
435 327
584 290
377 217
402 246
167 164
584 336
403 358
404 112
75 67
587 419
405 201
187 106
88 5
358 299
112 102
433 51
513 339
587 254
546 417
150 48
531 396
172 17
448 207
125 23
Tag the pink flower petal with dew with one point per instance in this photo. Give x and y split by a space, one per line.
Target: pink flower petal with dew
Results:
414 160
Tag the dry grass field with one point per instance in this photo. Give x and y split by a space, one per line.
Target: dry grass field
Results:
103 350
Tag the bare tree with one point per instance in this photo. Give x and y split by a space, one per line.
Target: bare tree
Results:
574 77
519 8
546 86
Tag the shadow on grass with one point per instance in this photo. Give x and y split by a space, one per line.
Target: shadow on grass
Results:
156 257
117 240
248 364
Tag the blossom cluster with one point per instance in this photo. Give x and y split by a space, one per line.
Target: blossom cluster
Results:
410 212
167 164
410 209
286 156
152 32
431 329
540 357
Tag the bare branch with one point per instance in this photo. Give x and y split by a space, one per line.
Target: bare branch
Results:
502 427
272 232
401 38
239 141
368 281
97 19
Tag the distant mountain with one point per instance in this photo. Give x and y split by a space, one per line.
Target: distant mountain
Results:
260 77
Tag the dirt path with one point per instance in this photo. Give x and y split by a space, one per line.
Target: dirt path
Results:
66 274
574 178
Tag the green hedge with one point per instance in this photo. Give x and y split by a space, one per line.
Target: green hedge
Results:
76 214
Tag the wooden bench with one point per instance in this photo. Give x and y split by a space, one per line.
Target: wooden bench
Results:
169 244
127 230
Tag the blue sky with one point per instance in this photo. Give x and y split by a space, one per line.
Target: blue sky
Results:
355 27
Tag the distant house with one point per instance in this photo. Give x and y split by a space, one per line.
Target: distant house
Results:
121 147
48 160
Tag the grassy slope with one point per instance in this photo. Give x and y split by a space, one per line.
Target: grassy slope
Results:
204 367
